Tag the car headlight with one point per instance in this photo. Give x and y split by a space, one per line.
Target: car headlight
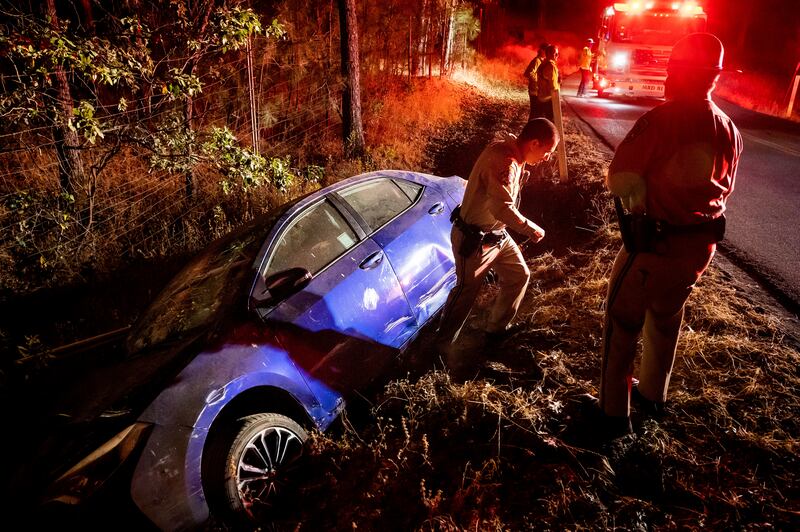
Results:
88 475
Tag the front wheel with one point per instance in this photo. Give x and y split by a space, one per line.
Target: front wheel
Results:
251 465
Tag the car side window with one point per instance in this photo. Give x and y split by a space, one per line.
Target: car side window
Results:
412 190
377 201
314 239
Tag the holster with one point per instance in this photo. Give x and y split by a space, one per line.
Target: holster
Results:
642 234
473 236
639 232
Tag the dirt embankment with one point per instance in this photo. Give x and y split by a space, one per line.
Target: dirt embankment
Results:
505 447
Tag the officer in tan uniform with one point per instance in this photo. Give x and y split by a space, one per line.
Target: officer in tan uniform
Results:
674 171
479 236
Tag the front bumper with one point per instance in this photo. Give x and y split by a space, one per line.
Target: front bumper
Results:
89 475
646 88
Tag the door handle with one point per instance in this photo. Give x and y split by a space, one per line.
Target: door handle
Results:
371 261
437 208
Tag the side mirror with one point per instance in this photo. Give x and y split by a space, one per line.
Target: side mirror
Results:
281 285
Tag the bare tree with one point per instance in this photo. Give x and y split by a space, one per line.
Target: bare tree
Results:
353 129
70 165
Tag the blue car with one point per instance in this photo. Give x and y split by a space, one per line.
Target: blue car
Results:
264 336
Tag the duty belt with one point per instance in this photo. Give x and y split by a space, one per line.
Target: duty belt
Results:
715 226
485 237
643 233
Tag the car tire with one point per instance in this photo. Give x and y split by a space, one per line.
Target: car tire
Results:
249 466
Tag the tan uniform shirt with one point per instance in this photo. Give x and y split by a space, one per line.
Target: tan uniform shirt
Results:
493 188
678 163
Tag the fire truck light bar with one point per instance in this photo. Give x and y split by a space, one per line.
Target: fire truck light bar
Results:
686 9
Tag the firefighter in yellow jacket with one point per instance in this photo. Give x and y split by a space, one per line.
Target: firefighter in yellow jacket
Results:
479 237
548 81
585 67
530 75
674 171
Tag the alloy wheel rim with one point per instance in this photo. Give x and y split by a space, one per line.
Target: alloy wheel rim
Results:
262 466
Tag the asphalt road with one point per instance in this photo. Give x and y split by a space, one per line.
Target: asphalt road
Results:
763 231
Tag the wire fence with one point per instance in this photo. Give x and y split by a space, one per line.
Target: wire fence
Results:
126 203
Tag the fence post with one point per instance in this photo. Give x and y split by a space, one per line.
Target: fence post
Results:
562 150
790 108
252 94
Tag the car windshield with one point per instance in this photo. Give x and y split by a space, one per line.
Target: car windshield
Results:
655 30
210 285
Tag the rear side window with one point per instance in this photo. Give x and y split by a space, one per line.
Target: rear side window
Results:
377 201
412 190
314 239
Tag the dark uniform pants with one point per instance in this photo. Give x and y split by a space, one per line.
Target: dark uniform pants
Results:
586 77
509 265
544 109
534 113
647 293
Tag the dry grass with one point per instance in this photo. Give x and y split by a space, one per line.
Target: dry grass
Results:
506 448
400 122
758 91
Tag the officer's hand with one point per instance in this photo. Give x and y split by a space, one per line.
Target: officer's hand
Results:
537 233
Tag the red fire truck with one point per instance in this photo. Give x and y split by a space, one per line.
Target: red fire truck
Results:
635 39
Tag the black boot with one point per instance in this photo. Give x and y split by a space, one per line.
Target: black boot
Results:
655 409
604 428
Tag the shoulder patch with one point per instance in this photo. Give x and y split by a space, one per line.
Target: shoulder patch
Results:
638 128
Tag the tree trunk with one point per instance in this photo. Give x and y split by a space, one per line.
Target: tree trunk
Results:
203 14
449 38
744 20
71 171
88 16
188 112
542 14
422 36
353 129
445 38
410 62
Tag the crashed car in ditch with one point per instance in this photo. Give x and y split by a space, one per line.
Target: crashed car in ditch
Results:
263 337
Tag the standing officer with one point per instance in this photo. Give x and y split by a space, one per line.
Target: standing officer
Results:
530 76
585 67
479 236
674 171
547 82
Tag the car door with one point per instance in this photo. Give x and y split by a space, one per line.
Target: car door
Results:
348 322
411 223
